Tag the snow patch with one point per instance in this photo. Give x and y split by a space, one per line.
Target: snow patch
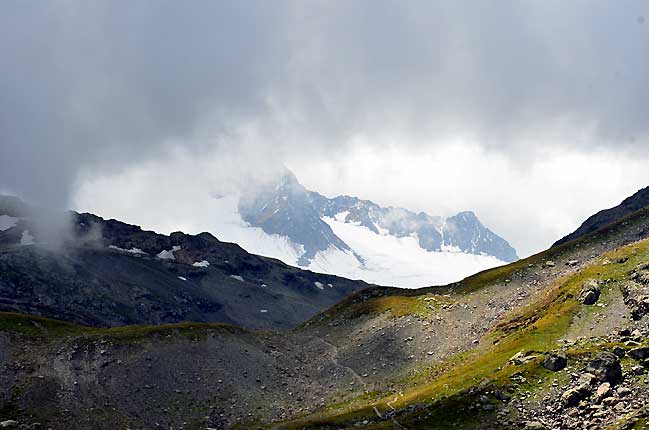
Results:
237 277
182 278
319 285
168 254
6 222
26 238
341 216
203 263
135 251
450 248
263 311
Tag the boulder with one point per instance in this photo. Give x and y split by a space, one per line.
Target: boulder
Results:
589 293
619 351
603 391
555 362
640 353
587 378
501 395
606 368
573 396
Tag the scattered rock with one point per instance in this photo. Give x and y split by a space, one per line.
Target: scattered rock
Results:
549 263
555 362
624 391
606 368
535 425
521 358
572 263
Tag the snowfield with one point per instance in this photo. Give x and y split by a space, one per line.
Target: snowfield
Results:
388 260
395 261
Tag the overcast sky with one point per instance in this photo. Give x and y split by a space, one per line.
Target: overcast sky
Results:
533 114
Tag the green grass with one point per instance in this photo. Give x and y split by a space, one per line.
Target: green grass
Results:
39 327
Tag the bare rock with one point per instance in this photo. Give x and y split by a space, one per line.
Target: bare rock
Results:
589 293
573 396
639 353
555 362
603 391
606 368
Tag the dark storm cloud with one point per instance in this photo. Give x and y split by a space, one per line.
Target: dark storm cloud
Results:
106 83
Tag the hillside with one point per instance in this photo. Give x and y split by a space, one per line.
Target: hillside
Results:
108 273
487 352
629 205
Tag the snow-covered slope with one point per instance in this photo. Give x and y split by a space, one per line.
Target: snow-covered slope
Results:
391 260
364 241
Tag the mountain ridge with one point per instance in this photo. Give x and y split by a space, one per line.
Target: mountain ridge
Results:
110 273
629 205
287 208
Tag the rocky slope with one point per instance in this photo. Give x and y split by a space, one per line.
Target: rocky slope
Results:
108 273
554 341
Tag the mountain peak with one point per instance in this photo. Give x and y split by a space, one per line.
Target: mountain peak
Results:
286 208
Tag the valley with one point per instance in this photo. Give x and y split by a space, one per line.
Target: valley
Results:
471 354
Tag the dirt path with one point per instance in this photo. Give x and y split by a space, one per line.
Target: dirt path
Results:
357 377
334 360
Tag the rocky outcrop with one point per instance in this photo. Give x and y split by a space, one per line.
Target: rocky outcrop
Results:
606 368
589 293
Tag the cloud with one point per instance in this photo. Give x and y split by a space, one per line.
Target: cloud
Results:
104 86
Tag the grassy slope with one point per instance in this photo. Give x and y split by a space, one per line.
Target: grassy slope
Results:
537 327
403 301
45 328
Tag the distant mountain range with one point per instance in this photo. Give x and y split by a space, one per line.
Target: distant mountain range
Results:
358 238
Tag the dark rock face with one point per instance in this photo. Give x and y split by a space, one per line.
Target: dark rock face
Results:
109 273
640 353
631 204
287 208
606 368
589 293
555 362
